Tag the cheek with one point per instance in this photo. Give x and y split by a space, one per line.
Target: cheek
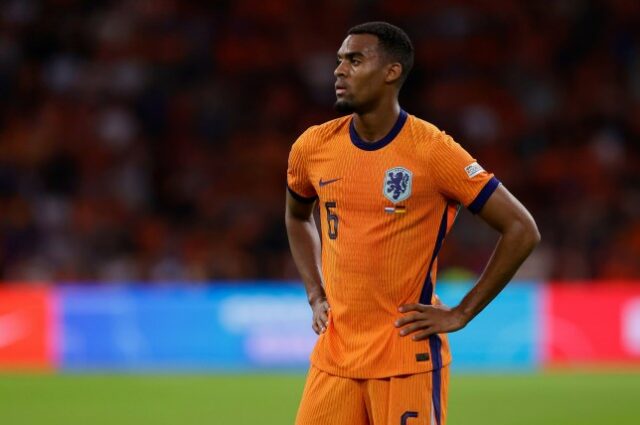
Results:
369 90
368 84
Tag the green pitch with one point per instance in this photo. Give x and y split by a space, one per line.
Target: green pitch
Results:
550 398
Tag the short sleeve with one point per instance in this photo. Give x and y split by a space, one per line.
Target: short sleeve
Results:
458 176
298 181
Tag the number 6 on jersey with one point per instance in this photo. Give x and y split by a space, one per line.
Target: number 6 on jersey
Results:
332 220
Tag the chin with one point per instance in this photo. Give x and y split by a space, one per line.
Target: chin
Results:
344 106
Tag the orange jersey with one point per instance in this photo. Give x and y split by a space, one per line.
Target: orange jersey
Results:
385 209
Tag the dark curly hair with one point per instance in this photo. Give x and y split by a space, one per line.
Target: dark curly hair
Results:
394 42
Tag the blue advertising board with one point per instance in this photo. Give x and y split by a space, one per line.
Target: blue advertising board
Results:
184 327
231 327
504 336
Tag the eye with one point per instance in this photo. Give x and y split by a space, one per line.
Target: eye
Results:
355 62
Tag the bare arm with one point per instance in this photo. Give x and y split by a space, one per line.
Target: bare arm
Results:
305 249
519 235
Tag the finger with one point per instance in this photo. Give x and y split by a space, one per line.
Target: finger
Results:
414 327
407 319
322 325
315 327
410 307
323 318
425 334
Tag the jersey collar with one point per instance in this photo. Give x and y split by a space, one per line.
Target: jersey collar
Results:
379 144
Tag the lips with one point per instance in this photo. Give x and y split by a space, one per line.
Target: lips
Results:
340 89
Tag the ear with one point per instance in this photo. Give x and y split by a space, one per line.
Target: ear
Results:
394 72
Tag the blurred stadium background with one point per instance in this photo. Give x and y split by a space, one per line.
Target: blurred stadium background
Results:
145 274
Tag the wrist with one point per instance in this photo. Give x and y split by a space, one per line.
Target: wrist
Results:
463 317
315 297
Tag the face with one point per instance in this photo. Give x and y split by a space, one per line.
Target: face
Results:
361 75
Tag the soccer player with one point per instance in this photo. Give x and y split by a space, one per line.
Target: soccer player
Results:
388 186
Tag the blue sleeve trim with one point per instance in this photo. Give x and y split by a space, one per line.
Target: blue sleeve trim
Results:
301 198
484 195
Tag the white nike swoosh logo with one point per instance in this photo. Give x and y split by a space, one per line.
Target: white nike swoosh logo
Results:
13 327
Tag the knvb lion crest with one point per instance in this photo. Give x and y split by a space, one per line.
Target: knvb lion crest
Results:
397 184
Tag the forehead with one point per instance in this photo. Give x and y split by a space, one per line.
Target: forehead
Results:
366 44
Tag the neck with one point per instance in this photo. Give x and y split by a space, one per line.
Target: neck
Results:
375 124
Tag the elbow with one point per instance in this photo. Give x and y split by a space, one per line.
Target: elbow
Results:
530 233
524 233
537 236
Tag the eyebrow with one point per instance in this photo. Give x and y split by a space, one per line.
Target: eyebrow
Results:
351 55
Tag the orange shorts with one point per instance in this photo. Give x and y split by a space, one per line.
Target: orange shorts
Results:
419 399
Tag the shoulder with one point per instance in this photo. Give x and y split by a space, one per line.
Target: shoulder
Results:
437 148
424 130
321 133
426 135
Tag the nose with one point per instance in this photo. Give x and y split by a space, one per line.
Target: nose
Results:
340 70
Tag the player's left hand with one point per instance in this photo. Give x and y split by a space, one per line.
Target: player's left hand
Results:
424 320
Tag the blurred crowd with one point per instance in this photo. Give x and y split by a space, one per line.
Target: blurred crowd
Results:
147 140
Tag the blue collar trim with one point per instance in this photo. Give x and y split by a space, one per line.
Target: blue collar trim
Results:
372 146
